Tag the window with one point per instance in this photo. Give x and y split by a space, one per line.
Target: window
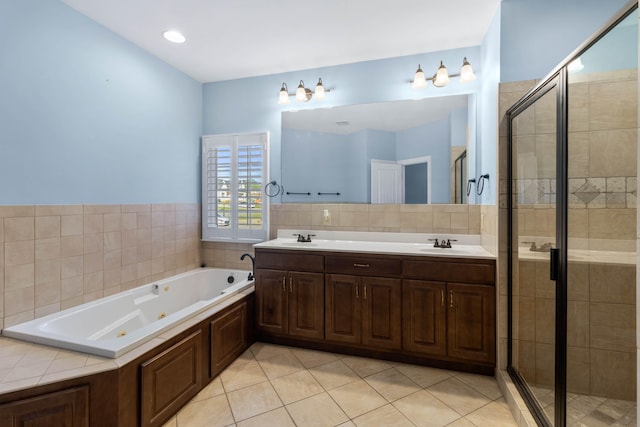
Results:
234 171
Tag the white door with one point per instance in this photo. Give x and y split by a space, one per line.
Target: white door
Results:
387 182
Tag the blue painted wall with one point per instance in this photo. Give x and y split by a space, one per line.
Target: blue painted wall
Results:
537 35
87 117
487 130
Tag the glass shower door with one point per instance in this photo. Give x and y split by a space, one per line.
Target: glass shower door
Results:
533 233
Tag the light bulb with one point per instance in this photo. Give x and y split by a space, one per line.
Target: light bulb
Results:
419 81
301 93
466 73
284 95
319 90
442 76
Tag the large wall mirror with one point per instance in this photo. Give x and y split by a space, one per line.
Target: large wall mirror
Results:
410 151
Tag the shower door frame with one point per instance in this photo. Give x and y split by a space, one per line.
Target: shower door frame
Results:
558 80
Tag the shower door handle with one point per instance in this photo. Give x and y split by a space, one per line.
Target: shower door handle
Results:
553 263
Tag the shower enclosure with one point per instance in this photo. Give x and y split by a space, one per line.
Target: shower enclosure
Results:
572 233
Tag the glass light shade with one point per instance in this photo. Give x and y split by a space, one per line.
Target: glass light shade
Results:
301 94
319 94
442 76
466 73
283 98
174 36
419 80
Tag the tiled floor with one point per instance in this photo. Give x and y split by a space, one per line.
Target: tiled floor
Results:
273 385
590 411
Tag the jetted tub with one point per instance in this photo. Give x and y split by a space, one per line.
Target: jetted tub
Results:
113 325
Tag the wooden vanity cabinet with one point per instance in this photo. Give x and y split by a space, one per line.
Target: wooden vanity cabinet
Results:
443 316
363 309
290 302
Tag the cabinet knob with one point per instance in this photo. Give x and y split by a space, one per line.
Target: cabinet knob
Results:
361 265
357 292
290 284
284 285
450 299
365 291
442 298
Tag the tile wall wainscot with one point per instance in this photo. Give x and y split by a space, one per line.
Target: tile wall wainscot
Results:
53 257
602 206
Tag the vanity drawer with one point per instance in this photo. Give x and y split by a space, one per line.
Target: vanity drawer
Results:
284 260
482 273
363 266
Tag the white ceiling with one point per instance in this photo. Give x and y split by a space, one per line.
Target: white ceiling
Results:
230 39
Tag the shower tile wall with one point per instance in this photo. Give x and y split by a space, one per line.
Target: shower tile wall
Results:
602 217
56 257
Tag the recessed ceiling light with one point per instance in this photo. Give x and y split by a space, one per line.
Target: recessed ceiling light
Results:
174 36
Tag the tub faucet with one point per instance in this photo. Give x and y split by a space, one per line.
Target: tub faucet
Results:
253 265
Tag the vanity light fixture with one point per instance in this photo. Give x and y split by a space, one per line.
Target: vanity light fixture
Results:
441 77
174 36
303 94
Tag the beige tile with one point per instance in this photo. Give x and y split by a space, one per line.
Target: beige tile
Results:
47 226
19 276
357 398
71 225
613 105
424 376
392 384
242 373
612 326
311 358
333 374
213 412
386 416
462 422
112 241
280 365
263 351
481 383
93 223
316 411
71 287
424 409
93 263
578 367
610 373
47 271
278 417
364 366
93 243
71 246
48 249
71 267
611 283
492 414
459 396
253 400
298 386
17 229
19 300
19 252
112 222
57 210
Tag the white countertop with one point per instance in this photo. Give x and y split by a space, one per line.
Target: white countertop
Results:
465 246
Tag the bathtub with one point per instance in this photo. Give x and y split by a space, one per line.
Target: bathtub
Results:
113 325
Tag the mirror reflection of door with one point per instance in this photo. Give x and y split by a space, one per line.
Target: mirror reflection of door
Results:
406 181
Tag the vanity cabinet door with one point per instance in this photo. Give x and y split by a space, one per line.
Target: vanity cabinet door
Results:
381 312
271 301
471 322
343 308
424 321
306 304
